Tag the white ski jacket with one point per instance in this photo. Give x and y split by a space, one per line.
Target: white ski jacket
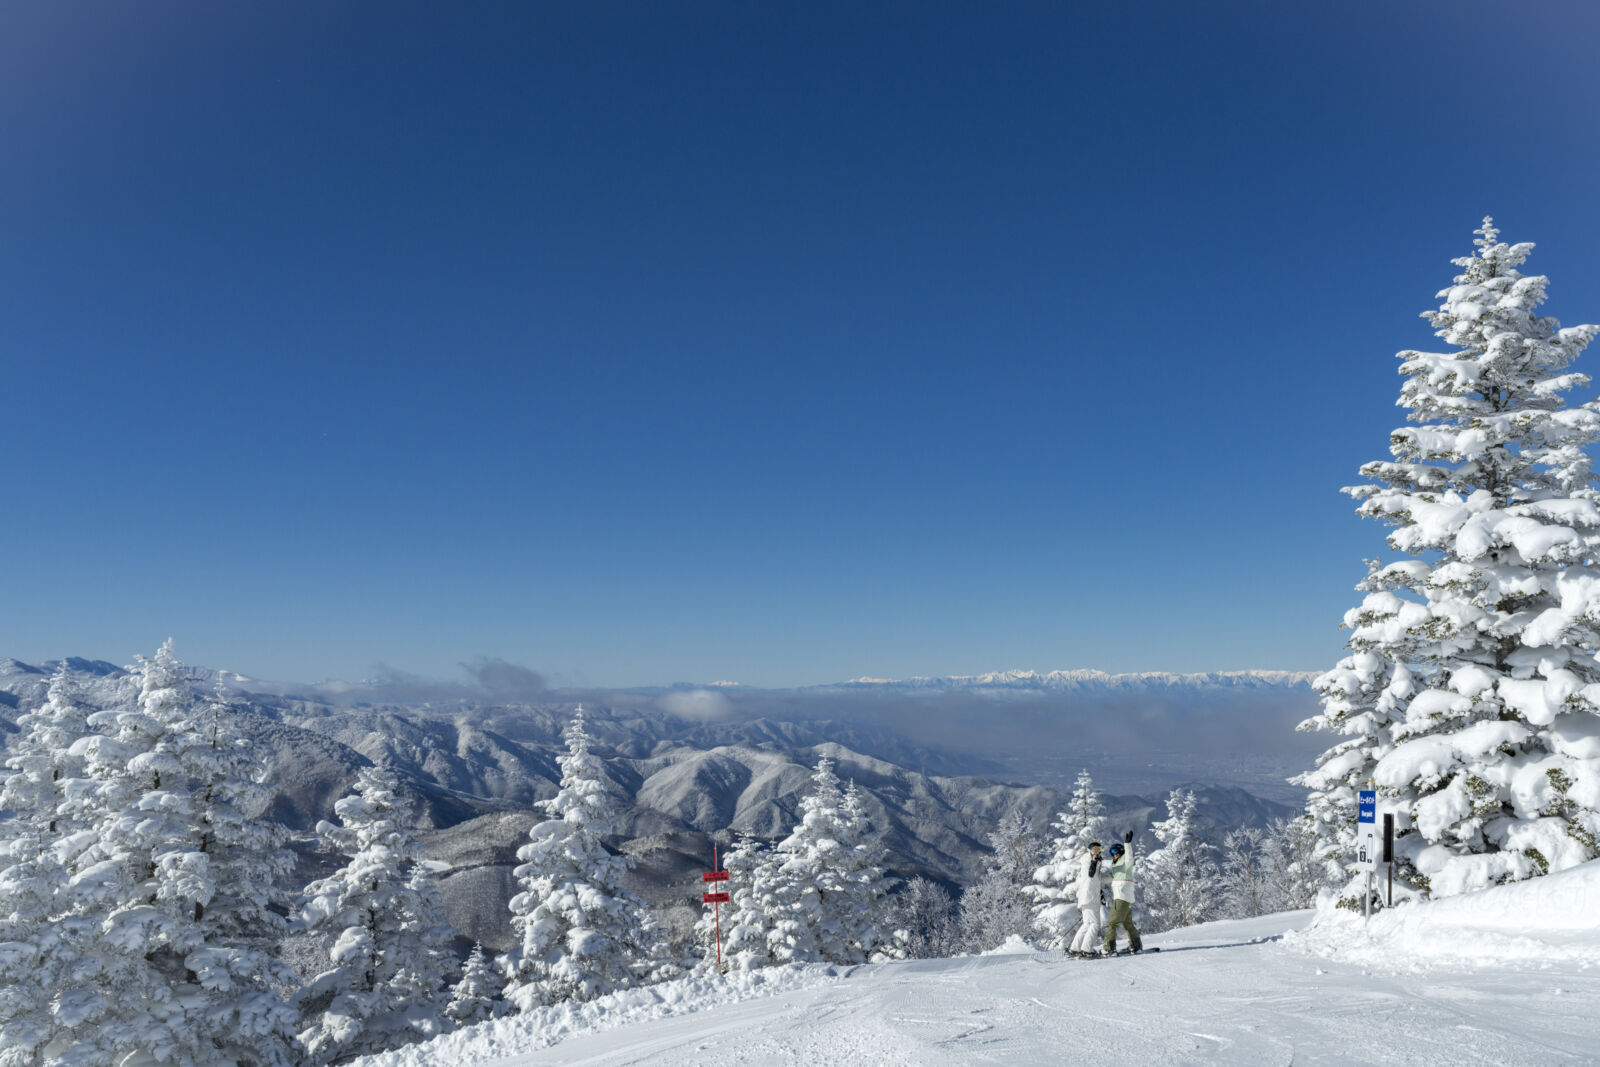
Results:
1089 884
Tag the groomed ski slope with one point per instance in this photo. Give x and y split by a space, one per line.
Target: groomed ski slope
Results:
1509 976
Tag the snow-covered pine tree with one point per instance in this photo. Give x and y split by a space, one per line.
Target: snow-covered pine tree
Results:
921 922
1362 698
1245 858
863 885
1054 891
39 945
1179 881
1492 771
998 905
42 759
379 925
754 896
247 864
39 951
1293 870
827 884
175 875
424 962
473 997
581 932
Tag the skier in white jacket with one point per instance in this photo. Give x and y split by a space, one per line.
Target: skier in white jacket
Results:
1090 879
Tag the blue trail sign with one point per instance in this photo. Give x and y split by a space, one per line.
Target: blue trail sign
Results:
1367 830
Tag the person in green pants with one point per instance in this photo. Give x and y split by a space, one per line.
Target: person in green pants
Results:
1121 875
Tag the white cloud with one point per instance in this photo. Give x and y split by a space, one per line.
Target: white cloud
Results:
697 704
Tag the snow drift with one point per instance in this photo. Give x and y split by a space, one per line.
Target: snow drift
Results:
545 1026
1556 917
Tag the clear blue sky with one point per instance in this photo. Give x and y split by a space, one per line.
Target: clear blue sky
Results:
780 343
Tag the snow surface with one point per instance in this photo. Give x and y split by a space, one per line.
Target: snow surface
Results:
1426 984
1543 920
494 1042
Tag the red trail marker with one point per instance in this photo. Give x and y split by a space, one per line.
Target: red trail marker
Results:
716 900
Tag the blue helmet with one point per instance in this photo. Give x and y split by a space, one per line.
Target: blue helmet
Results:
1116 848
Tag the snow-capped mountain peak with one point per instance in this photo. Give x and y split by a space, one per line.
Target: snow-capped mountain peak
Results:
1085 678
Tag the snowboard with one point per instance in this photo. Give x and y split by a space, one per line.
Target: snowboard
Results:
1119 952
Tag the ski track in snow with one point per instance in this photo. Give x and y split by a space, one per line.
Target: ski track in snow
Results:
1229 992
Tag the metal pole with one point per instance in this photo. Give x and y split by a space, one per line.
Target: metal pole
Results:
716 908
1366 899
1388 855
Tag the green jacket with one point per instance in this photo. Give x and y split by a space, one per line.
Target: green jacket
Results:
1121 875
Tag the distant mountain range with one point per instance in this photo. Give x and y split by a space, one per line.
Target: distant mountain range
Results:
1093 681
1076 680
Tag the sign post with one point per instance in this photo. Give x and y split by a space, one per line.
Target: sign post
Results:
1388 855
716 900
1367 842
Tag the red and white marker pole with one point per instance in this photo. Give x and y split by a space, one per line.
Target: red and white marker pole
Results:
716 900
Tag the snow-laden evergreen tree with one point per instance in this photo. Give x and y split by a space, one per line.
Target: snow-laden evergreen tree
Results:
175 874
1363 698
921 921
581 932
1179 881
1295 870
379 922
40 946
861 875
999 904
1246 891
754 901
43 759
424 970
1492 770
43 997
247 863
827 883
1054 892
473 997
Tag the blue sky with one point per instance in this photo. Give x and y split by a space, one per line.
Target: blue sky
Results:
778 343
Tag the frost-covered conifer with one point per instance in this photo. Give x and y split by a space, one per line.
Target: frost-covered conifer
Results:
40 945
1246 892
1294 871
921 922
247 863
472 998
1179 880
424 962
1055 884
1362 698
43 759
827 882
42 1000
754 900
1490 765
864 886
998 905
379 921
175 874
582 933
